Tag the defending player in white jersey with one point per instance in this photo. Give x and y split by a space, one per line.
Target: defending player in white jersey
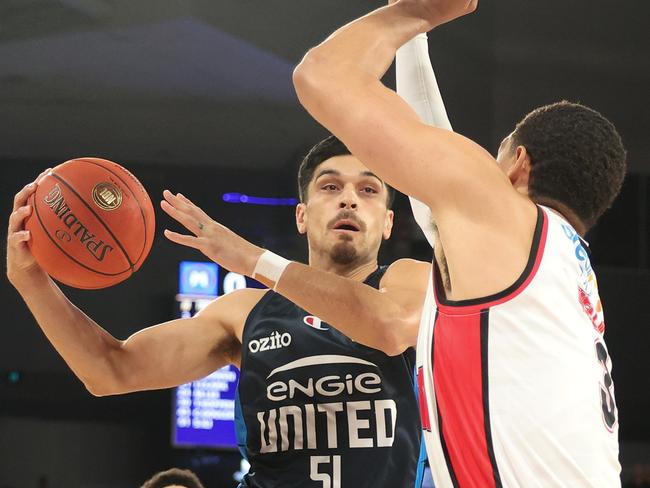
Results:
515 375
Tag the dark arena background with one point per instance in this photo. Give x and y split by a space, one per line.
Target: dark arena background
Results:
196 96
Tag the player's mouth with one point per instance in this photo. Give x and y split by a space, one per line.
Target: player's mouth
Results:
346 226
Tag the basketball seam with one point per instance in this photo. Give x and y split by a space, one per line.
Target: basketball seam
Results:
144 219
45 229
97 217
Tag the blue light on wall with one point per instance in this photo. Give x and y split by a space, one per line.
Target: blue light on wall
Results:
250 200
198 278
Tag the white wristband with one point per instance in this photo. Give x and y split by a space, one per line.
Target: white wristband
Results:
271 266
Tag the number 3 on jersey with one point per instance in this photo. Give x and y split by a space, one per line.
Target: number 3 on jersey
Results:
333 481
606 388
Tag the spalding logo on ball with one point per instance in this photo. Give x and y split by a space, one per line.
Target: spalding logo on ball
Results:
57 204
92 225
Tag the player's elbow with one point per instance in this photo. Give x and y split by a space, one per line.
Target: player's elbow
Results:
303 79
109 386
395 336
101 388
110 377
96 391
309 77
392 346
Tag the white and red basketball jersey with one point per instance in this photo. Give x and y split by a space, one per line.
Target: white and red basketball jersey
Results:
516 388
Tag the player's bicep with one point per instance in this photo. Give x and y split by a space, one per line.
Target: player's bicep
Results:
184 350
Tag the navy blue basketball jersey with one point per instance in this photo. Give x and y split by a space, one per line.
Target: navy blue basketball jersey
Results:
318 410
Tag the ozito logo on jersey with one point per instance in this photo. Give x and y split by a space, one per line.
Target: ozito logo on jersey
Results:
275 341
314 322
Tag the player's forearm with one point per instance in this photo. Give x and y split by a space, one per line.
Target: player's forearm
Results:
359 52
416 82
417 85
359 311
84 345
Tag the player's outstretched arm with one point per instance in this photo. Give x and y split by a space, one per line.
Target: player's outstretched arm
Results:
165 355
486 226
416 82
338 82
385 319
183 350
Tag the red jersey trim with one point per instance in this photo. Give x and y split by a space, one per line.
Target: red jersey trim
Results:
461 383
475 305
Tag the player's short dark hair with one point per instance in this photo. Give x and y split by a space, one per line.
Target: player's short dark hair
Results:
317 155
577 157
174 476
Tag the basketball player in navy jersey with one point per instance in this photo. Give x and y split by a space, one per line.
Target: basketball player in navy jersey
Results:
319 409
514 375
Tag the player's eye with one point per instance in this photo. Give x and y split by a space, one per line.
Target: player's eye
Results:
369 189
330 187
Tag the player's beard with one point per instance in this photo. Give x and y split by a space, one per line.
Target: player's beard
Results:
344 252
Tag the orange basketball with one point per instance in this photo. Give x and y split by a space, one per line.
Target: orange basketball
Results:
92 223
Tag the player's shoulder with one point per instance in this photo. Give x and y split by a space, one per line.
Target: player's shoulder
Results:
407 264
236 304
407 270
248 293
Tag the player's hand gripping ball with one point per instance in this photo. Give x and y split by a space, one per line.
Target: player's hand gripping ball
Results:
92 223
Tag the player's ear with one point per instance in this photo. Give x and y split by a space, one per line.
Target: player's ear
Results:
301 218
388 224
519 172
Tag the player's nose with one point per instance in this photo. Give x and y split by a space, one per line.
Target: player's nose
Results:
349 198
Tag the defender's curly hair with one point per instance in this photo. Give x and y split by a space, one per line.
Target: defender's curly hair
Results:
577 157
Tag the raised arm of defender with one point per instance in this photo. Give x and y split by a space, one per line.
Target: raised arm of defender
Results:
485 226
427 163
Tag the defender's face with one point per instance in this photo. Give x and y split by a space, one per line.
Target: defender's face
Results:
506 157
515 162
345 213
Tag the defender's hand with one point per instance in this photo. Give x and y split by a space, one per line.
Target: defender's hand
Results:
19 257
438 12
216 241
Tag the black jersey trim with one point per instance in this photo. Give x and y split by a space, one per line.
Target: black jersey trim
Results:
374 278
485 321
535 249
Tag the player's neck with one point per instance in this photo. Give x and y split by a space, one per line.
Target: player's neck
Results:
565 212
354 271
